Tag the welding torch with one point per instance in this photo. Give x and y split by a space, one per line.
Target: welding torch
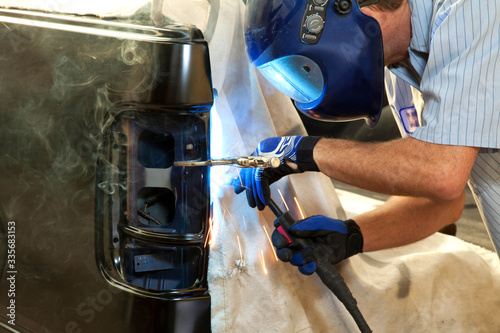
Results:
327 272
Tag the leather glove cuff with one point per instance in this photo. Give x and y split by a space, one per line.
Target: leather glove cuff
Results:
354 240
305 160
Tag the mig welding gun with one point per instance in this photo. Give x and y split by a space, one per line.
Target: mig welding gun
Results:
313 244
334 238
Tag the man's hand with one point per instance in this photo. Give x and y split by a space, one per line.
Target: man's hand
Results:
295 154
334 240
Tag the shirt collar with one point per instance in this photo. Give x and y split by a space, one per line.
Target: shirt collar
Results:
421 15
411 70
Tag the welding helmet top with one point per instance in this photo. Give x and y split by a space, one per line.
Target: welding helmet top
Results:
326 55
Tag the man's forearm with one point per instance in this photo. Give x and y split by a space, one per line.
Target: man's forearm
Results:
406 167
404 220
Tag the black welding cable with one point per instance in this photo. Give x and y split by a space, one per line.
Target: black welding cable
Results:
328 274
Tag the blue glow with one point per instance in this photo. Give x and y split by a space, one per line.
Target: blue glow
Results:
219 175
216 133
298 77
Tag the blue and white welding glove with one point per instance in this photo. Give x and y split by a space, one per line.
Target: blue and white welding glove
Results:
296 156
331 238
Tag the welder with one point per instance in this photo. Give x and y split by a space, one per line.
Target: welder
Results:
439 63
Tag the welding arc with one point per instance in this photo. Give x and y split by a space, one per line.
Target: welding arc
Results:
327 272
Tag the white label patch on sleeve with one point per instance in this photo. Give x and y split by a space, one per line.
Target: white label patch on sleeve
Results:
409 118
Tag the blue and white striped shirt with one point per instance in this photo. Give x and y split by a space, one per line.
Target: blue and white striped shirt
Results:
451 80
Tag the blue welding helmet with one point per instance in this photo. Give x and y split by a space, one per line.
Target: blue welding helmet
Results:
326 55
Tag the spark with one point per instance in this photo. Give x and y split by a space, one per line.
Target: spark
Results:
214 223
244 222
241 181
230 150
263 262
227 211
239 246
283 199
270 242
209 233
214 228
300 209
233 220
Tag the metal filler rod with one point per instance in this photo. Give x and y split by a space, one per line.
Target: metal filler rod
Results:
242 162
327 272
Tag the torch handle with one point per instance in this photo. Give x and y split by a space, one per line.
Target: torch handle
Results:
327 272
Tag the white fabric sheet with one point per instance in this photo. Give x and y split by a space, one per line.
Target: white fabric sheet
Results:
440 284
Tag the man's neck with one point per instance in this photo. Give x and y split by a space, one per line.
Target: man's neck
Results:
396 31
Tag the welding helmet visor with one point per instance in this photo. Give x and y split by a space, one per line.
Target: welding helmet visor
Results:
326 55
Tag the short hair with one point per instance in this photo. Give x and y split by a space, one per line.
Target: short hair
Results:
384 5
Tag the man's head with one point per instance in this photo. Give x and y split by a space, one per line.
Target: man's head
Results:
383 5
328 58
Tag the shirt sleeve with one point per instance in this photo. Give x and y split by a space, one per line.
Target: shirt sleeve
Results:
461 82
